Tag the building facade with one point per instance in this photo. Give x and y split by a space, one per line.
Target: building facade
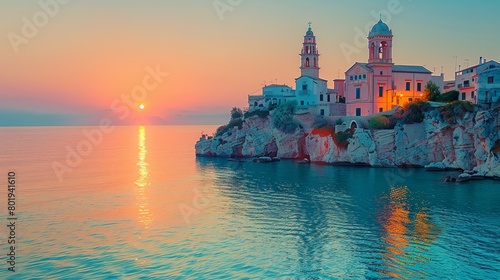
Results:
380 85
466 80
489 85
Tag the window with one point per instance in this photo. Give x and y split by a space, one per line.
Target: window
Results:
410 99
381 73
322 112
301 102
491 80
350 78
380 91
356 77
472 95
358 93
466 84
358 111
304 87
419 86
364 76
321 97
408 85
380 110
307 62
463 95
328 98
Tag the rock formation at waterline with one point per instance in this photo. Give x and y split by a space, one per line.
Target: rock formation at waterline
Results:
470 143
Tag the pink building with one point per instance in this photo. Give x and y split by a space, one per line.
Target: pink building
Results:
380 85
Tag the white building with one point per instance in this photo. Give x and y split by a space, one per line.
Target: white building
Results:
311 92
466 80
489 85
271 94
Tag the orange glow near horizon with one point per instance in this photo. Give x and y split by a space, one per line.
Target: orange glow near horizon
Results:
91 54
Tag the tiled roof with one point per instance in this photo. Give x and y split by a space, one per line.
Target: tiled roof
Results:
410 69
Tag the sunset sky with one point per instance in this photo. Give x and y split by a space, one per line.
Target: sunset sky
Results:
89 54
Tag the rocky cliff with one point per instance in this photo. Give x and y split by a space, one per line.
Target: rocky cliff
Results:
470 143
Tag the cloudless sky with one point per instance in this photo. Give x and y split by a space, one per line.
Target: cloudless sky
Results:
92 52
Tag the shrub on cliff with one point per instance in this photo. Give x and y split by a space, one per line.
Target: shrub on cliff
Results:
283 117
261 113
449 96
454 110
236 113
341 139
413 112
225 128
380 122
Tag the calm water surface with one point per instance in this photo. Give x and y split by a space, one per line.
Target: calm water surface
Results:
140 205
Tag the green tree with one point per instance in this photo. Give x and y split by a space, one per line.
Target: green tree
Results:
432 92
449 96
236 113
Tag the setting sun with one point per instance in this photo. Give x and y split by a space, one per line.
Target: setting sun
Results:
141 106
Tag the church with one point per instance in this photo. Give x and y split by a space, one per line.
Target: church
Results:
380 85
311 92
369 88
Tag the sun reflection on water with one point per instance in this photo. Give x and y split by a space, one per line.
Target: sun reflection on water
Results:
142 183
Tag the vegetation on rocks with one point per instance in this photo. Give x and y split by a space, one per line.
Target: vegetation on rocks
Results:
432 93
341 139
283 117
380 122
412 112
260 113
454 110
236 113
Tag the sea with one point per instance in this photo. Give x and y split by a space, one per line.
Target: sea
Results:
134 202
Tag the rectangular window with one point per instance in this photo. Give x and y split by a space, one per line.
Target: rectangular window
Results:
472 95
419 86
358 111
463 95
304 87
321 97
410 99
380 91
491 80
322 112
380 110
356 77
408 85
301 102
364 76
358 93
328 98
466 84
350 78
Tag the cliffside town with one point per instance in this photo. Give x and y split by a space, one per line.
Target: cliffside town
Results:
379 115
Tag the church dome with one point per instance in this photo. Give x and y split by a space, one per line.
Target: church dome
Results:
380 29
309 32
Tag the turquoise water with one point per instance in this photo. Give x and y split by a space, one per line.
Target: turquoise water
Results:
140 205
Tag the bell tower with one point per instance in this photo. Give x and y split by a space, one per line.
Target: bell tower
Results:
380 43
309 55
